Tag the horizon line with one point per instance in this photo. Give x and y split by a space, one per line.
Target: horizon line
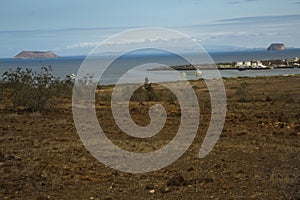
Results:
245 49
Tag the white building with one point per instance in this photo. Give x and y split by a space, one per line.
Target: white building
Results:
250 64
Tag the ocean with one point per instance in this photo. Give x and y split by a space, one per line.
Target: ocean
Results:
69 65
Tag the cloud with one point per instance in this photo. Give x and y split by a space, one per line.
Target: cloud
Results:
255 31
262 19
248 31
234 2
149 40
125 43
244 1
248 35
82 45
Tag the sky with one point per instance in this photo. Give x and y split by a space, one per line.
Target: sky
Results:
74 27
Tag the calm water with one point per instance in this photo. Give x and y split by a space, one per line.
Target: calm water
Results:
69 65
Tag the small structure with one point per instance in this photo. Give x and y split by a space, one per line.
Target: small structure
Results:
250 64
198 72
247 63
147 85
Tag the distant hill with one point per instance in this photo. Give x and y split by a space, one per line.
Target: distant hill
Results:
36 54
276 47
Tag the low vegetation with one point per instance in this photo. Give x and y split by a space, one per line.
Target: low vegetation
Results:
31 90
241 92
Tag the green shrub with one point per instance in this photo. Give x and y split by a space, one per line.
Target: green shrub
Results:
31 90
242 93
205 106
1 91
62 89
140 95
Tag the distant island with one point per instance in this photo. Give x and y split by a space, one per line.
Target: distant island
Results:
276 47
36 54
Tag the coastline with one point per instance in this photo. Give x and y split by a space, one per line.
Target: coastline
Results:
64 66
245 65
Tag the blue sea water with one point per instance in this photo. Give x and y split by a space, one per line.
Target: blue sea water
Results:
69 65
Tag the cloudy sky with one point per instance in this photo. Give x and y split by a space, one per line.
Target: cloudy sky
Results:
74 27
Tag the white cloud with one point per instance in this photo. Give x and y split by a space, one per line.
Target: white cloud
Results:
126 41
83 45
132 41
56 49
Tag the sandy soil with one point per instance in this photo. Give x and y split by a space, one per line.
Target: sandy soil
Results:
256 157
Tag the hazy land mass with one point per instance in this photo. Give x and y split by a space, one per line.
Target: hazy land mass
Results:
36 54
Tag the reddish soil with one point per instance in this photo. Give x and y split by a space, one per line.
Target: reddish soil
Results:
256 157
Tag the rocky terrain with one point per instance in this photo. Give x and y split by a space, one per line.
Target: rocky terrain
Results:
256 157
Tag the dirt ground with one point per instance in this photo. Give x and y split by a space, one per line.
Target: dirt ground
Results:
256 157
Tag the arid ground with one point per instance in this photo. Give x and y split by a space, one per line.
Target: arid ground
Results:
256 157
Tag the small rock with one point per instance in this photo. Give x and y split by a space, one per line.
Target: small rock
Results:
2 157
149 187
206 180
176 180
297 128
6 128
92 198
290 100
293 134
242 133
151 191
190 169
217 166
279 124
268 98
165 190
10 157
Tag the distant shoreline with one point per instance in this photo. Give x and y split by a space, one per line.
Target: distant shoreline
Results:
212 53
263 65
232 68
64 66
